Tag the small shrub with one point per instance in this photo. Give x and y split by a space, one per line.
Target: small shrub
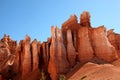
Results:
62 77
43 77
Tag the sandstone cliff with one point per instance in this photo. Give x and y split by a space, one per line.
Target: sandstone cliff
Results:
76 43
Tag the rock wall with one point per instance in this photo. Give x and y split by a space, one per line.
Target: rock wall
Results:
58 63
76 42
85 49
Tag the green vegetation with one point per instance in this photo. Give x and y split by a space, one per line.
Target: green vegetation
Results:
62 77
43 77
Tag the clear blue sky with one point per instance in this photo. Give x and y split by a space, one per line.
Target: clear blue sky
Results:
35 17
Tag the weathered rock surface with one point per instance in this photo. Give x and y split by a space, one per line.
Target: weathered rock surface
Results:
70 49
92 71
85 49
114 39
75 43
6 58
70 24
58 63
85 19
35 58
102 47
26 57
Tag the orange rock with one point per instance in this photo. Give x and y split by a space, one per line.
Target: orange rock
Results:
16 65
114 39
117 38
92 71
72 21
85 19
35 56
26 57
102 47
45 55
71 53
85 50
66 50
70 24
58 63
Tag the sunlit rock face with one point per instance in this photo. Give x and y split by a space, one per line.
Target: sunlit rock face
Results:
85 19
102 47
6 57
58 63
68 48
71 49
85 48
114 39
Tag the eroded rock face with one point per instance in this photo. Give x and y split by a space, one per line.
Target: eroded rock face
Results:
4 51
70 49
85 19
58 63
26 57
6 58
71 24
102 47
114 39
46 55
75 43
35 56
85 49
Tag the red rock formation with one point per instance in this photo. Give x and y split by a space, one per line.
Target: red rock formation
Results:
39 52
6 58
92 71
102 47
73 25
117 37
85 19
16 65
35 57
76 43
45 55
58 63
26 57
114 39
85 50
70 49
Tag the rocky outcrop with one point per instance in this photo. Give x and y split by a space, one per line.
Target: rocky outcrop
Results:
75 43
58 63
35 58
102 47
85 19
70 24
70 49
85 49
6 58
92 71
45 50
26 57
114 39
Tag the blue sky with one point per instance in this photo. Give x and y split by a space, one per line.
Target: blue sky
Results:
35 17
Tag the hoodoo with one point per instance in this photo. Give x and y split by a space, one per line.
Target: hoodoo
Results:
70 52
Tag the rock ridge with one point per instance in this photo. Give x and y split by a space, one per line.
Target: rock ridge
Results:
76 42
